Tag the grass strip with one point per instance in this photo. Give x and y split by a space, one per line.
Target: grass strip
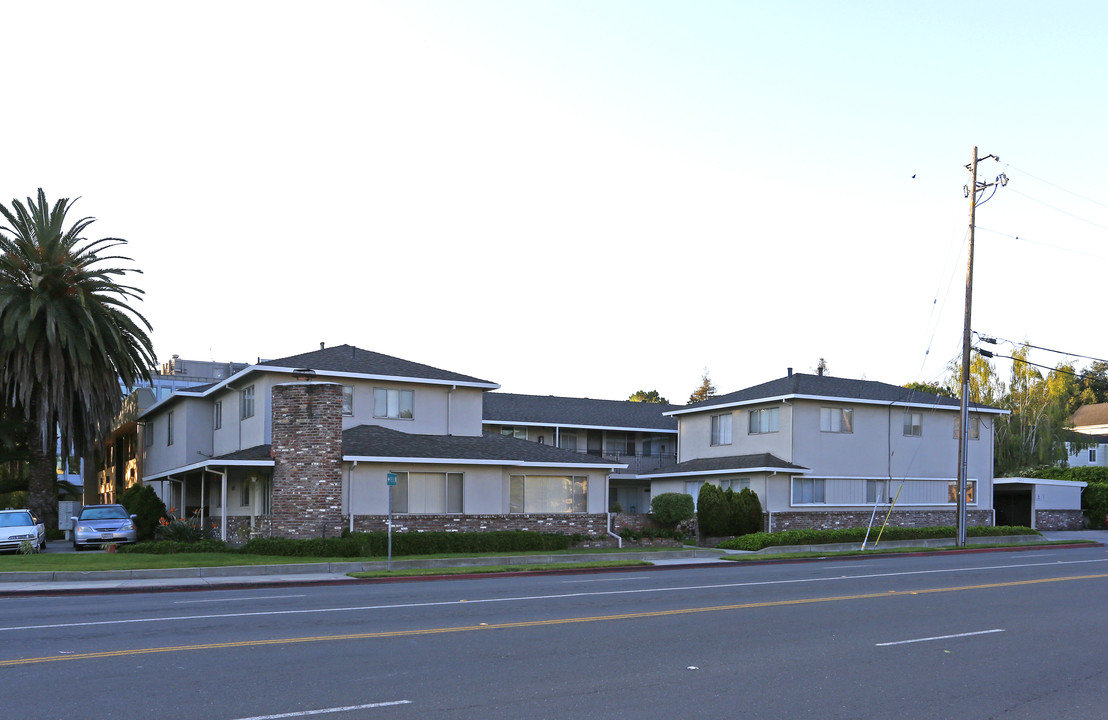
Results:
761 557
480 569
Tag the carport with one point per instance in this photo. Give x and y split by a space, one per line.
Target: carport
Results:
1038 503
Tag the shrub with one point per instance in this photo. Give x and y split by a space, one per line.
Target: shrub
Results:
759 540
1094 501
175 529
170 547
670 509
410 543
747 512
143 502
713 511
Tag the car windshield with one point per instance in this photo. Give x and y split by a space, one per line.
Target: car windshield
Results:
104 513
18 519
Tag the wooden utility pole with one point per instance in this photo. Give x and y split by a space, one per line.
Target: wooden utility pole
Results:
972 189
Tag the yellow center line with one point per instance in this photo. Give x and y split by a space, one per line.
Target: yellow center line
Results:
536 623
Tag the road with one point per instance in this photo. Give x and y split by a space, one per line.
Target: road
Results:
982 635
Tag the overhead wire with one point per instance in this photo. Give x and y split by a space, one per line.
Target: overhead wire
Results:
1058 187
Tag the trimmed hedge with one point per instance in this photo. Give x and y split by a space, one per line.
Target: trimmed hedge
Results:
143 502
170 547
670 509
760 540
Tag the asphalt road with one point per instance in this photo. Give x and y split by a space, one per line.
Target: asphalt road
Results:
987 635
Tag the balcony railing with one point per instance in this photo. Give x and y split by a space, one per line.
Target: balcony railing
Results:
637 463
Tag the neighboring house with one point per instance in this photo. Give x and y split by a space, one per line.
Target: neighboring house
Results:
824 452
635 433
306 444
118 463
1087 445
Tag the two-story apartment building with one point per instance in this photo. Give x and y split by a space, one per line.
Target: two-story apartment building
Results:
637 434
822 451
310 443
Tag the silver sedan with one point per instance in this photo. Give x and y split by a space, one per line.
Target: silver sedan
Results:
100 524
18 527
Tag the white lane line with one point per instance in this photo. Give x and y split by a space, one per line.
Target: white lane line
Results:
347 708
242 599
1036 555
633 577
554 596
938 637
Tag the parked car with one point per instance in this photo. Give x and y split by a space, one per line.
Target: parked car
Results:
99 524
19 526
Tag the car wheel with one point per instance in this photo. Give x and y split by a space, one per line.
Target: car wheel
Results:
76 547
42 545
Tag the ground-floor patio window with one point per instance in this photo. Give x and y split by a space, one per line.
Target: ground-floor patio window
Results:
428 493
549 494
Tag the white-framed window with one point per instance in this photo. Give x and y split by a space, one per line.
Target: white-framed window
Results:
568 440
764 421
169 428
347 399
913 424
736 484
519 433
877 491
721 429
974 427
217 414
148 434
244 500
246 402
809 491
1092 455
428 493
692 487
548 494
952 492
836 420
393 403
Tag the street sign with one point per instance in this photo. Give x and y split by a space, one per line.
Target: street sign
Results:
391 479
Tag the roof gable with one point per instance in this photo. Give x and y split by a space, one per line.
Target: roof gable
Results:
351 360
511 408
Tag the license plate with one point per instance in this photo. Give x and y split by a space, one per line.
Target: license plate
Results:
105 536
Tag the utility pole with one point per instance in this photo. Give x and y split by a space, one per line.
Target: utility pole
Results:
971 191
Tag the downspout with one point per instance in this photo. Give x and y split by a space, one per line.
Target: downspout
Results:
350 487
607 482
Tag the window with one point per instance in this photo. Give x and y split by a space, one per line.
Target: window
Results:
217 419
169 428
808 491
148 434
692 487
244 501
952 492
568 440
247 402
913 424
877 491
1092 455
836 420
428 493
974 427
736 484
548 494
347 399
721 429
516 432
763 421
390 403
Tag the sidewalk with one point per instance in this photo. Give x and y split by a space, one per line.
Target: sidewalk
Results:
239 576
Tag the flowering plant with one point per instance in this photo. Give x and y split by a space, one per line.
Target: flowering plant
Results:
191 529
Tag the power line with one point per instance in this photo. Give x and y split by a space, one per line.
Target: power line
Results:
1043 244
1058 187
1064 212
987 338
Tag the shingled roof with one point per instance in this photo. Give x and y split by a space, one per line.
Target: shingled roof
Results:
722 465
1088 415
353 360
510 408
373 441
826 386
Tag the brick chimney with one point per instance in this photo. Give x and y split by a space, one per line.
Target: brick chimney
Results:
307 459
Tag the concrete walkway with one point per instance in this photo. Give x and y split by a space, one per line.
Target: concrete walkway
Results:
239 576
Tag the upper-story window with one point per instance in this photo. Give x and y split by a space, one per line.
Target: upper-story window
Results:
836 420
169 428
347 399
1092 455
721 429
516 432
247 396
389 403
913 424
764 421
974 427
568 440
217 419
148 434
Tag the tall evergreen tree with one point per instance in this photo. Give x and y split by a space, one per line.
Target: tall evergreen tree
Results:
67 335
703 391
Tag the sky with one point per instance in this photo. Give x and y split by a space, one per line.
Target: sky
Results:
580 198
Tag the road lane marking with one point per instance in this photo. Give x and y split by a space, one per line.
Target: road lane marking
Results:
529 598
242 599
536 623
615 579
324 711
937 637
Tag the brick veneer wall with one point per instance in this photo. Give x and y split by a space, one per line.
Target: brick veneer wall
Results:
307 459
238 527
1059 519
569 523
831 519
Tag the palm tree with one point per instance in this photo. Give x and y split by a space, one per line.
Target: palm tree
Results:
67 336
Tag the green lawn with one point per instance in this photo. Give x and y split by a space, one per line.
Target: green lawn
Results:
498 569
761 557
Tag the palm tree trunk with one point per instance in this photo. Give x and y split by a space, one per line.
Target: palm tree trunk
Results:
42 483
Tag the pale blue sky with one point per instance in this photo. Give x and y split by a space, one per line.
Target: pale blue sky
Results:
580 198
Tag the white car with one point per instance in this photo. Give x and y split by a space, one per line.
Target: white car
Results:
19 526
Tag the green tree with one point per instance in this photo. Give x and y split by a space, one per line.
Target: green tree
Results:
647 396
68 335
703 391
748 512
932 388
670 509
712 512
1034 433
